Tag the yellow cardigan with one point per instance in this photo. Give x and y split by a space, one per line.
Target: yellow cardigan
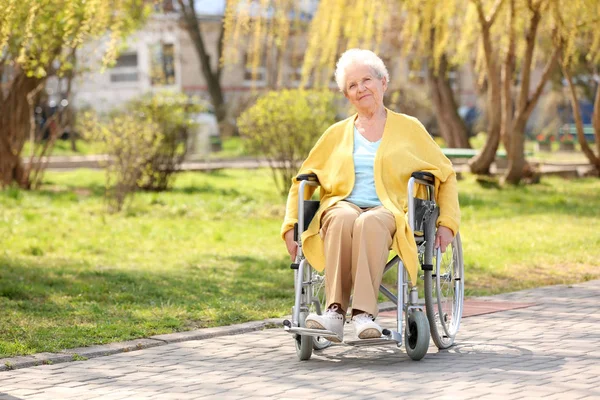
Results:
405 147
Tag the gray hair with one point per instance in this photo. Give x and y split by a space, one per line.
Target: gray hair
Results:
359 56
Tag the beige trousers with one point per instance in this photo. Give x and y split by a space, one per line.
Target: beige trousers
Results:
357 245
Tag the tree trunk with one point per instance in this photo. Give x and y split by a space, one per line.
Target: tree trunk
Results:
507 83
15 128
596 118
516 147
481 163
452 127
593 159
517 165
440 116
213 78
11 168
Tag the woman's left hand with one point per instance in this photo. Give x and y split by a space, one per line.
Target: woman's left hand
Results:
443 238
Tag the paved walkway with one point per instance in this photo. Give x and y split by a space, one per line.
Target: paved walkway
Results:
550 350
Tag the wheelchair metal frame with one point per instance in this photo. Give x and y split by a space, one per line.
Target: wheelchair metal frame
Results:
405 301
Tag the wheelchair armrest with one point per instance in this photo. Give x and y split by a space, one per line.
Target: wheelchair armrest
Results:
424 176
308 177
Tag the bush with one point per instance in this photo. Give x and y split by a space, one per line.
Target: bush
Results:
131 141
171 113
147 143
283 126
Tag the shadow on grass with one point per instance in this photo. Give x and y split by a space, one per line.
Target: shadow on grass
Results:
31 280
272 279
50 307
47 308
73 194
57 193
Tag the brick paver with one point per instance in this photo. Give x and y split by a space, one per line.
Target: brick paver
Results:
550 350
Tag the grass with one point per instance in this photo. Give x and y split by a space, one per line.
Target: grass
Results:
232 147
63 148
208 253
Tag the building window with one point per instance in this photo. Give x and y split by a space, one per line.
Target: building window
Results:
165 6
417 73
124 77
255 76
295 70
295 77
162 64
125 69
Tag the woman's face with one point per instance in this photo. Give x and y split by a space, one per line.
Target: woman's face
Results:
363 89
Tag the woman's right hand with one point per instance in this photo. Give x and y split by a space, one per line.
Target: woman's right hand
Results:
290 243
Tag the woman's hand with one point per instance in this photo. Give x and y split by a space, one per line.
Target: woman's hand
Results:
443 238
290 243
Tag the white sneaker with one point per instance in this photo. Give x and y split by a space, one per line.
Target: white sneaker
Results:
365 327
331 321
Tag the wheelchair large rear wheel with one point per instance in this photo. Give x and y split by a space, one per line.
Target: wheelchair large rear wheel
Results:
444 294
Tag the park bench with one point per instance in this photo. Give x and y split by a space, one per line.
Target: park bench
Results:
468 153
571 129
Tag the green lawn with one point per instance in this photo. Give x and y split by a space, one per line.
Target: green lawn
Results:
63 148
208 253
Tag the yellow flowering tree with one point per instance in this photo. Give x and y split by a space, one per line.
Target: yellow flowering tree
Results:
271 30
579 39
507 40
38 39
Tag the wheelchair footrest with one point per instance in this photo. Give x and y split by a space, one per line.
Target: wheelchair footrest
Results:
308 331
388 337
372 342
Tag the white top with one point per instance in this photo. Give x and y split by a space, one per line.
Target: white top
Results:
364 194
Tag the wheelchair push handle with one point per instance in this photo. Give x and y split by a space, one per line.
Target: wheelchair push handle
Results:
425 177
308 177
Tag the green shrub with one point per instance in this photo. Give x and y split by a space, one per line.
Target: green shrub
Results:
131 140
283 126
146 143
171 113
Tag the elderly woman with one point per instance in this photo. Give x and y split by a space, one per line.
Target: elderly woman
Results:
363 164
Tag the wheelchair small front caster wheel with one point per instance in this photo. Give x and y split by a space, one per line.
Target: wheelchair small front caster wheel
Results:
304 344
416 335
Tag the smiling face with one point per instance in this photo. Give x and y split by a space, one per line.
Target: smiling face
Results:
363 88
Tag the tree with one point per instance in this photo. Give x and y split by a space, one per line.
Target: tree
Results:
480 164
508 35
37 40
505 34
426 31
531 13
511 38
373 22
211 74
266 34
579 41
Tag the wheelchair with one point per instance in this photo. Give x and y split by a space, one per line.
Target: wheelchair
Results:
437 318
